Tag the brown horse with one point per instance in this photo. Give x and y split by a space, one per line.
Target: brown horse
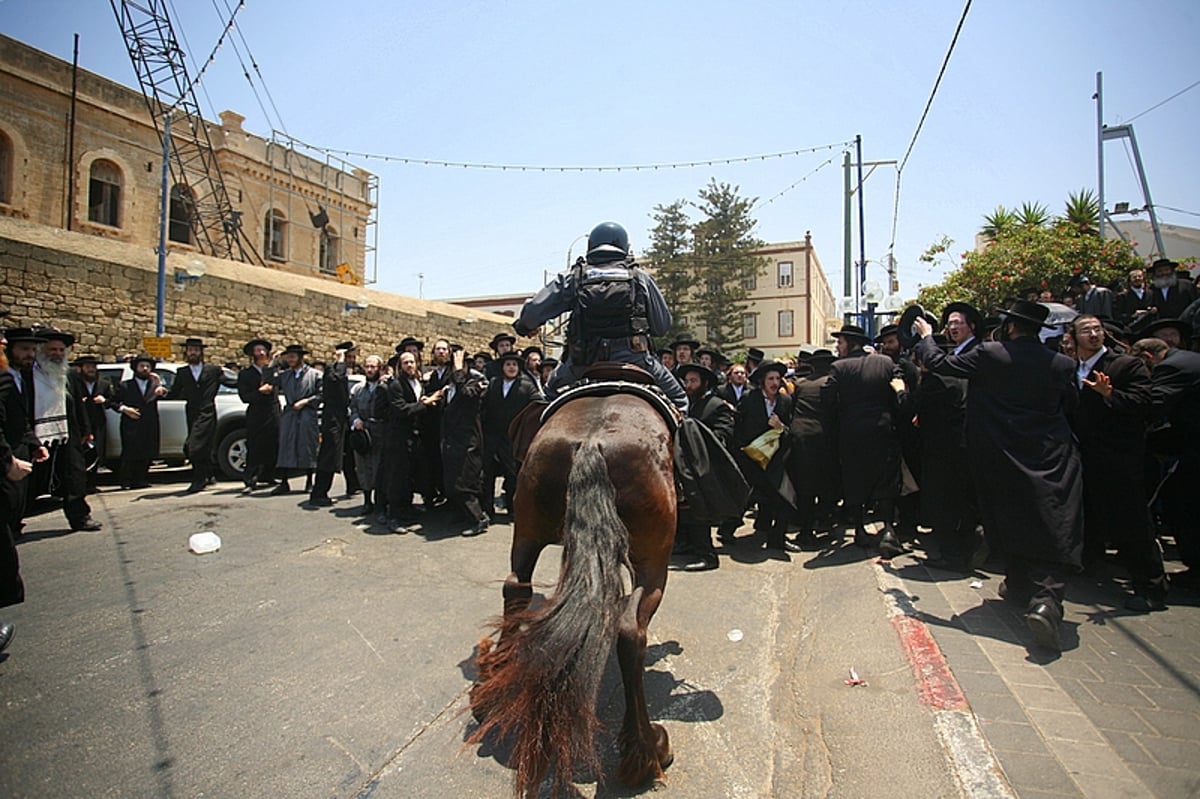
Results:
599 479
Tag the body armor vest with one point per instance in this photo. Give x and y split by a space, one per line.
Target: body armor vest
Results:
608 305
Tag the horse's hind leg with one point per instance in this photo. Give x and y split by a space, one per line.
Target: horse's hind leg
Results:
518 586
645 747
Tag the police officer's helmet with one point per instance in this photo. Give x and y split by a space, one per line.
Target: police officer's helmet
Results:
608 241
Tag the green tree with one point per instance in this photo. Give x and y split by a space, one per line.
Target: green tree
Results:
670 260
1082 213
998 222
1033 215
723 249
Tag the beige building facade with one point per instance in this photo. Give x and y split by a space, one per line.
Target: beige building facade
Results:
790 303
98 171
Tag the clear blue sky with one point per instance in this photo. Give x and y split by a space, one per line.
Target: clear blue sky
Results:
618 83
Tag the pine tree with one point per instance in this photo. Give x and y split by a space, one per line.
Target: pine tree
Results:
669 259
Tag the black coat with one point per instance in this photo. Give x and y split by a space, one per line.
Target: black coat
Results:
498 411
1175 394
262 410
717 415
462 435
335 417
751 422
812 458
139 437
201 409
727 393
947 488
16 440
863 402
1128 303
1023 455
1179 297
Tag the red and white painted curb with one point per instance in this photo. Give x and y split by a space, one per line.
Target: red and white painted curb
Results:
973 762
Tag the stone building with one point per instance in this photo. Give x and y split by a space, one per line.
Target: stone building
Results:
98 171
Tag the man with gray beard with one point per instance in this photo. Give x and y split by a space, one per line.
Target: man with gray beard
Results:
1170 296
366 431
59 426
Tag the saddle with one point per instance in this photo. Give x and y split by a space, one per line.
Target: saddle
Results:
605 378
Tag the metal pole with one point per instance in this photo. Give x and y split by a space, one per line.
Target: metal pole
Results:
1137 158
159 328
1100 146
71 137
847 238
862 245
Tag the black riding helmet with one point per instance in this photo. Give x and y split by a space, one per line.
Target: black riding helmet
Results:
608 241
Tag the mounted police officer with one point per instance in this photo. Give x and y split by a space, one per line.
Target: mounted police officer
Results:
615 307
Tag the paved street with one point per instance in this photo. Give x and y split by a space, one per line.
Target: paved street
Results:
316 655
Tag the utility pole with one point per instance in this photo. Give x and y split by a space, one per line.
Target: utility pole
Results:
849 189
1099 97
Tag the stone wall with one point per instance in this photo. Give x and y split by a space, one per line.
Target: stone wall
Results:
105 293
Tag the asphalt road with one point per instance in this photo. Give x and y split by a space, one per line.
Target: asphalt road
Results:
317 656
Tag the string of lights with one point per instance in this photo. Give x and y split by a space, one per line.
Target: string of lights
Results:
775 197
213 55
560 168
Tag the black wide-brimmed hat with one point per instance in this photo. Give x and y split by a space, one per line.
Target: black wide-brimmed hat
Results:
511 355
194 342
683 340
409 341
549 363
820 356
1185 329
345 346
360 441
142 357
496 339
85 359
16 335
525 353
54 334
851 331
706 374
487 356
755 354
908 336
1167 262
1029 311
765 368
249 346
885 331
295 349
970 312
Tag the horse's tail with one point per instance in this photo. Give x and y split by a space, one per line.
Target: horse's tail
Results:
543 677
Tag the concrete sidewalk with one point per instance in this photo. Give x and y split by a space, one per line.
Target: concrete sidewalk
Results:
1117 714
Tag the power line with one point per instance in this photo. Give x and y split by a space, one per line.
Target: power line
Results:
556 168
1163 102
1176 210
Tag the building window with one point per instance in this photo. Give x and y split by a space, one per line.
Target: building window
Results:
749 325
330 250
785 274
750 282
275 235
714 286
180 214
786 324
104 193
6 168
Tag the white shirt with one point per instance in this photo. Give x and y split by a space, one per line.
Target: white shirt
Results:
958 350
1086 367
196 369
16 375
505 386
416 386
142 384
770 405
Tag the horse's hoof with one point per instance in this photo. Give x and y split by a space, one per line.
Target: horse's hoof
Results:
665 756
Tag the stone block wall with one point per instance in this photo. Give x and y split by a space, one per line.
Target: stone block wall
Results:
105 293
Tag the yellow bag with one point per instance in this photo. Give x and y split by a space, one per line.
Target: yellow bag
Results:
763 448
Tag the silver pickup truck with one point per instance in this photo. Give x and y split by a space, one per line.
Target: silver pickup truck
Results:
172 422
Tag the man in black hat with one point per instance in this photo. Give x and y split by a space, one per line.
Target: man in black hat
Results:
1110 425
666 357
366 431
501 344
429 479
962 322
908 506
718 415
197 385
765 408
812 458
461 442
1175 332
507 395
137 401
19 449
615 308
1170 295
256 388
863 390
683 350
754 357
94 394
299 428
1132 303
531 361
402 406
335 420
1093 299
1023 458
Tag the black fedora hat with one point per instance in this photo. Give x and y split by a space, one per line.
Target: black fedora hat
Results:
496 339
49 333
345 346
141 357
360 440
84 359
706 374
193 342
409 341
511 355
1029 311
821 355
683 340
249 346
549 363
885 331
1185 329
766 368
851 331
525 353
755 354
295 349
1164 262
17 335
908 336
970 313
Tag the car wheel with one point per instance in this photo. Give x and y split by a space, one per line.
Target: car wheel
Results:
231 456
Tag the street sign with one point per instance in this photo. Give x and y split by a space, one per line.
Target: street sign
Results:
157 346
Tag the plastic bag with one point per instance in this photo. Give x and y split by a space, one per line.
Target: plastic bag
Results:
763 448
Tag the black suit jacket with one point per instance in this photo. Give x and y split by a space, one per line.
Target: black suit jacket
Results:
1112 433
1179 296
752 416
200 396
1175 394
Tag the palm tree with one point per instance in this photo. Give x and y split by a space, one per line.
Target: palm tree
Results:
1033 215
997 223
1082 213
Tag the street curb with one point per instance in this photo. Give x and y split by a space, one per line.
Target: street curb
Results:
972 761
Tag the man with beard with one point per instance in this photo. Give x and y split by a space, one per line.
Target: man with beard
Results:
430 484
1110 424
532 360
1170 296
1024 461
18 451
462 442
335 416
366 431
506 396
197 386
863 390
1132 303
765 408
61 426
256 388
94 394
401 407
718 415
813 454
137 401
300 386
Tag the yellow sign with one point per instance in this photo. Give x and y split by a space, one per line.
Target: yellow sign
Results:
346 275
157 346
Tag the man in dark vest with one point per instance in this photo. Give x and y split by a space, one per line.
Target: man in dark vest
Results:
335 421
615 307
197 384
94 394
256 388
136 400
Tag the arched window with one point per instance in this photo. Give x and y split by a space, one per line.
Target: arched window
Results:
180 214
104 193
6 168
275 235
330 252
